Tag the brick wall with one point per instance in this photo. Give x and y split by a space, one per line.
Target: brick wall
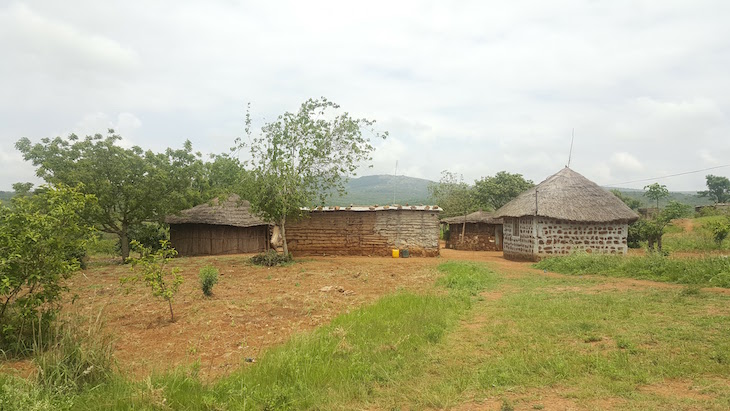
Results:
377 232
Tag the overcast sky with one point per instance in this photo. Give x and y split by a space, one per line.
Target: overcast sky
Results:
472 87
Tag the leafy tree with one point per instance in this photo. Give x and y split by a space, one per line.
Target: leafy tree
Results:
162 282
718 189
303 157
40 237
131 185
453 195
632 203
720 230
498 190
656 192
653 230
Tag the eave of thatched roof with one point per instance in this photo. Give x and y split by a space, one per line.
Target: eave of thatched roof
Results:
567 195
475 217
230 211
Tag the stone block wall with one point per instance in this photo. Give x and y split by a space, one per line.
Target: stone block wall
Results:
520 245
345 232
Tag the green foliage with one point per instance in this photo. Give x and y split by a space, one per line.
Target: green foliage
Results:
705 271
131 185
41 238
632 203
656 192
208 278
81 357
452 194
302 157
162 282
466 277
271 258
719 229
718 189
498 190
148 234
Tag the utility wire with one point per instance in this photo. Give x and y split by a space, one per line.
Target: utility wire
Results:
667 176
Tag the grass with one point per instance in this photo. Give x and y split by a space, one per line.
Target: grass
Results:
711 271
534 342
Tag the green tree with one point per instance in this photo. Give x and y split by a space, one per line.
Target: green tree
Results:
132 186
302 158
162 282
718 189
40 239
453 195
656 192
498 190
653 230
632 203
720 229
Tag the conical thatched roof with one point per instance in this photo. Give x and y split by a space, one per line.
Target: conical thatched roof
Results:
567 195
230 211
475 217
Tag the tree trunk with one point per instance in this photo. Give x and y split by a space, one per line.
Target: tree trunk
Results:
659 243
124 242
650 244
283 235
463 230
172 316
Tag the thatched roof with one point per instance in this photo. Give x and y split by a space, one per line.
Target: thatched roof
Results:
567 195
231 212
475 217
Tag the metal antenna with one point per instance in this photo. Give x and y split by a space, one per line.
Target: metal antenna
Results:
570 153
395 180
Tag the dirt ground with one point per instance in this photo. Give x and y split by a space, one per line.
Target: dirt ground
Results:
254 308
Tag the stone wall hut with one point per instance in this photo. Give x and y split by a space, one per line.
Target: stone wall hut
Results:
218 227
564 214
373 230
482 232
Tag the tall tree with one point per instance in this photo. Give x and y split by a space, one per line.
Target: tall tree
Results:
498 190
453 195
718 189
304 157
131 185
656 192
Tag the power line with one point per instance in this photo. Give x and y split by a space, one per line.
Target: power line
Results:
667 176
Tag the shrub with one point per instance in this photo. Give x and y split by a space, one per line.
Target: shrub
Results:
271 258
208 278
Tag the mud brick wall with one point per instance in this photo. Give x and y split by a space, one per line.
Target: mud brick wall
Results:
540 237
565 237
477 237
375 233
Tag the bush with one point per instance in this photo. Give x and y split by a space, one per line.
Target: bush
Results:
208 278
271 258
149 235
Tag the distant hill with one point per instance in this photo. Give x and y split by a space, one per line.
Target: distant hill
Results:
684 197
379 189
5 196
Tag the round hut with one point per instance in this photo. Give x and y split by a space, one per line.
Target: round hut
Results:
564 214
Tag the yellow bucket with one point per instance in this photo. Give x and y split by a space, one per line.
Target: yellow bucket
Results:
396 253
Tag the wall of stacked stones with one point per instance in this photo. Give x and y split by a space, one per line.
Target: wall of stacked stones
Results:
477 237
518 246
345 232
565 237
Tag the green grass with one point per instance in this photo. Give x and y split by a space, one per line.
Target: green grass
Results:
699 239
711 271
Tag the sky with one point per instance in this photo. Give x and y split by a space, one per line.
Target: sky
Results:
472 87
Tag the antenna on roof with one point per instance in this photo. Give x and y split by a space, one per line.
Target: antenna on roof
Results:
395 182
570 153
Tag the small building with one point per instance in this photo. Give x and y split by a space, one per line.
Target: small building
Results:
565 213
478 231
218 227
370 230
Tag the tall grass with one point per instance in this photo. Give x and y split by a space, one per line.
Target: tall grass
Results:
711 271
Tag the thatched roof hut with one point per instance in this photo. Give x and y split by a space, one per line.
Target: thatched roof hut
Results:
478 231
567 195
563 214
221 226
